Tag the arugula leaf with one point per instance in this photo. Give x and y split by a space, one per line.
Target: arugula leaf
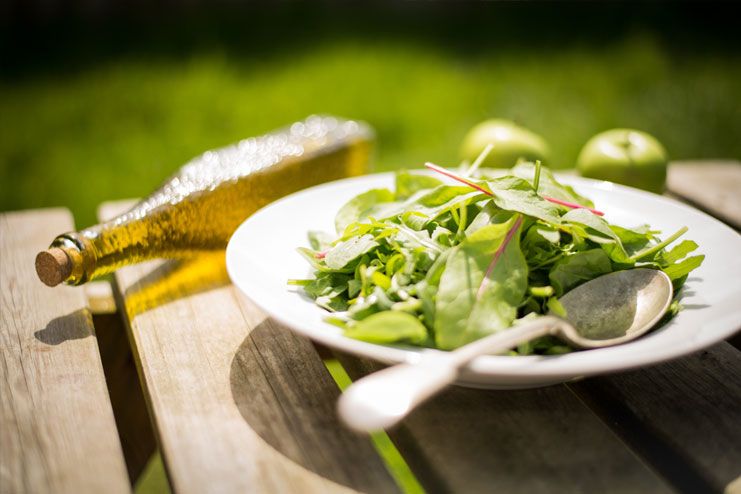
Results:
680 251
683 268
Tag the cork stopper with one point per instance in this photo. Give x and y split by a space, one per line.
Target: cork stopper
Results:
53 266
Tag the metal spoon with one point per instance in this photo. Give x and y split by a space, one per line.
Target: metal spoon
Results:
609 310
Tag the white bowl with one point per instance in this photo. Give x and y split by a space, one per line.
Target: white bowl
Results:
262 256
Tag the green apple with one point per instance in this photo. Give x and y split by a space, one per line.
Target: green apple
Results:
625 156
511 142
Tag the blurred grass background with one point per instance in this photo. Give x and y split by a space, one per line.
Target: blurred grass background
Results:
104 104
93 109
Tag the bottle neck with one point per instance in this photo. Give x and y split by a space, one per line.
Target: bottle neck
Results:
80 252
127 239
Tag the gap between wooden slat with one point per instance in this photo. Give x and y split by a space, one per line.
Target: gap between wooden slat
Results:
641 439
681 417
129 407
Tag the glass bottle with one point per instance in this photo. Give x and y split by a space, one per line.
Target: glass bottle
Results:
199 207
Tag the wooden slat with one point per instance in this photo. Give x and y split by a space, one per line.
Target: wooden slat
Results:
714 186
58 434
529 441
239 403
683 417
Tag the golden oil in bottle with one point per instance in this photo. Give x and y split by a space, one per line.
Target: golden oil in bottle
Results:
199 208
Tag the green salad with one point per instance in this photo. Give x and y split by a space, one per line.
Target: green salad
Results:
440 262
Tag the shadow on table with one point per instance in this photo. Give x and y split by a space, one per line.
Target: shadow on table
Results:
287 396
73 326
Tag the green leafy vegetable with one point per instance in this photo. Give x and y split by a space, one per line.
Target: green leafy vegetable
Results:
339 256
389 327
409 183
440 265
482 285
359 206
548 185
571 271
516 194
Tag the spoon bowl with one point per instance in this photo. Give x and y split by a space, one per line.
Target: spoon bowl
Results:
615 308
609 310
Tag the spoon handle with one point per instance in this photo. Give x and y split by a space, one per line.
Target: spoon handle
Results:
384 398
504 340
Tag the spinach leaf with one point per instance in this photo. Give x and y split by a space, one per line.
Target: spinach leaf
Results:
541 245
358 207
408 183
490 213
597 230
389 327
634 240
548 185
516 194
484 281
327 284
431 202
339 256
571 271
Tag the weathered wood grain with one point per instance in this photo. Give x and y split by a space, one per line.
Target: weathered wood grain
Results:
714 186
240 404
58 433
529 441
682 417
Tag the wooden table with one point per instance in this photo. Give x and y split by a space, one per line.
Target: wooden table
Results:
238 403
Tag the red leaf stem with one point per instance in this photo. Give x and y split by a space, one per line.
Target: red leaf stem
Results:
464 180
572 205
448 173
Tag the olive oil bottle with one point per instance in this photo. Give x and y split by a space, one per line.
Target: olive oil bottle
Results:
199 207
